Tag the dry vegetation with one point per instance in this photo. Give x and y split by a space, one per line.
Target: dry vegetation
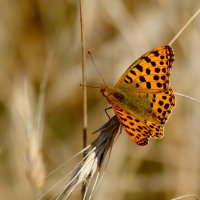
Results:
42 38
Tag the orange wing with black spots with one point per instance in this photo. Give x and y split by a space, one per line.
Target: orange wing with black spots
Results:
149 73
162 104
136 129
139 131
156 129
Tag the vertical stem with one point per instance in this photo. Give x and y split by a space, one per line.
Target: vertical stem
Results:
84 83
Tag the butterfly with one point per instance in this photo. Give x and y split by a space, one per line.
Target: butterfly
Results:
143 99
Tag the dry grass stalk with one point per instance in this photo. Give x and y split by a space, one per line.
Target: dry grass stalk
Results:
85 117
189 196
23 120
91 164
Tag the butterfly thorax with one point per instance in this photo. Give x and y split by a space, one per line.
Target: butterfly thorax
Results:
112 96
134 103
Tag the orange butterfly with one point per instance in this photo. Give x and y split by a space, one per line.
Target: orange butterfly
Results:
142 98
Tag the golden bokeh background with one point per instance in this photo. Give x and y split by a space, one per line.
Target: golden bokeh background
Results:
39 33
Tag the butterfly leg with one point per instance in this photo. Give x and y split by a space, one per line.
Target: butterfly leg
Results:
107 112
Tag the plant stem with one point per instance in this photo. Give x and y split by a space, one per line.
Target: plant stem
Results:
84 83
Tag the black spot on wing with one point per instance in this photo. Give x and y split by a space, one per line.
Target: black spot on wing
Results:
148 71
153 64
128 79
156 77
148 60
133 72
155 53
157 70
162 57
148 84
142 79
139 67
159 85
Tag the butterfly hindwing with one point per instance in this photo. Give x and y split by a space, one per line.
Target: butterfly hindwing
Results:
157 131
137 130
140 131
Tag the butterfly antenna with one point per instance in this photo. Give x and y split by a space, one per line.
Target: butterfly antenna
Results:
96 67
187 97
184 27
90 86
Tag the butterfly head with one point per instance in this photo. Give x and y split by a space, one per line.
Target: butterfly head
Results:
105 91
112 95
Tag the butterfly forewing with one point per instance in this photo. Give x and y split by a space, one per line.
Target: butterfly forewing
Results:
162 104
150 73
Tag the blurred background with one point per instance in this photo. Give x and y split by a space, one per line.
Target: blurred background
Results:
40 40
